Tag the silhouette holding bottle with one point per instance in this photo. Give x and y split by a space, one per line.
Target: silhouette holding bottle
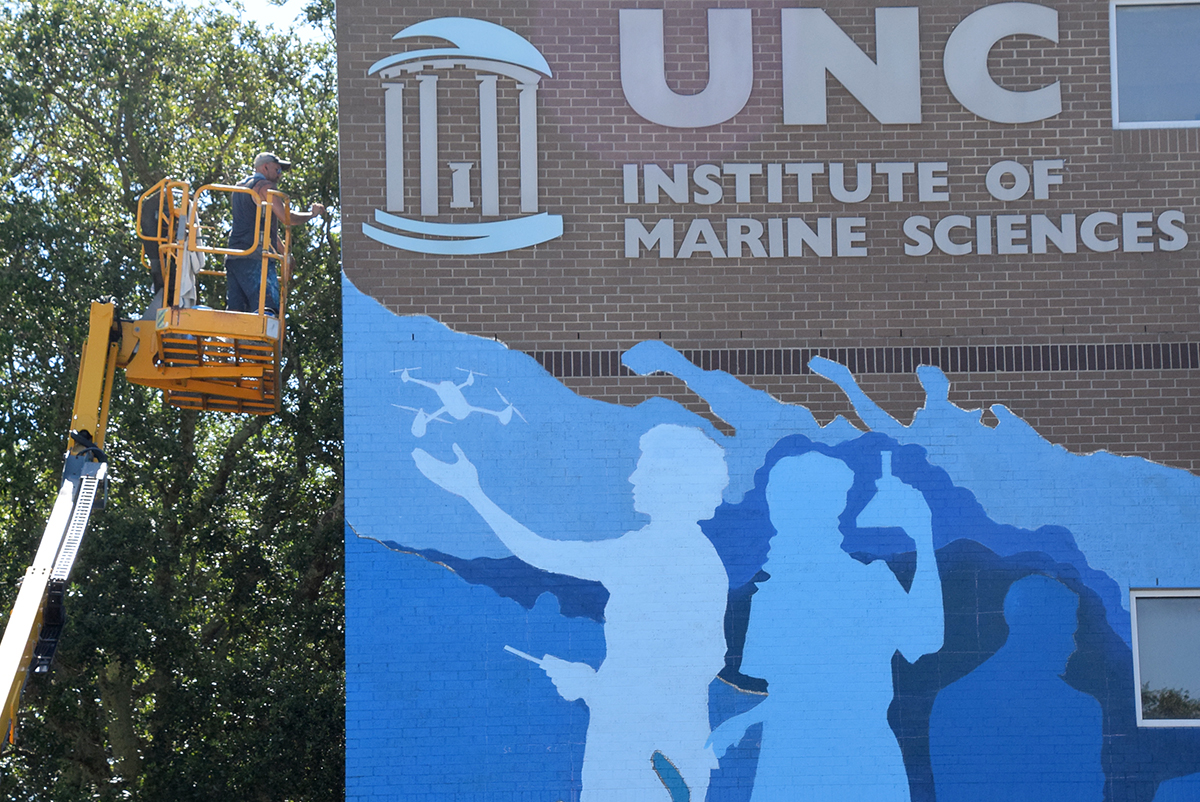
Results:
822 632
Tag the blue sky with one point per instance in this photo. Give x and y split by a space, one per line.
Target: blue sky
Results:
267 14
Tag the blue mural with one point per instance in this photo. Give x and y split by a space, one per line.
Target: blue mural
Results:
554 598
1013 728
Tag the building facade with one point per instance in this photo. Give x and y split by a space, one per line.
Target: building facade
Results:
748 401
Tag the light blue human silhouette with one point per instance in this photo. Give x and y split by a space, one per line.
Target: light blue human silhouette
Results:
663 624
822 632
1012 730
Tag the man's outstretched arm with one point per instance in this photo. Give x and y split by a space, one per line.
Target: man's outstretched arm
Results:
462 479
293 217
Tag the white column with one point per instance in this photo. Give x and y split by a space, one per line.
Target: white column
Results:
460 185
489 146
529 147
429 144
393 137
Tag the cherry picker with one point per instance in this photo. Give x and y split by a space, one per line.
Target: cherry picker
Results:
201 358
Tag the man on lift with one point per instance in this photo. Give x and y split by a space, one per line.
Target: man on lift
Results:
244 273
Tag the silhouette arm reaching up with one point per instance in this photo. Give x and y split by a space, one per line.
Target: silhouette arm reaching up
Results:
920 618
462 479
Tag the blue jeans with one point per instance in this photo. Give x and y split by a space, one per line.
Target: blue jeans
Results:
242 278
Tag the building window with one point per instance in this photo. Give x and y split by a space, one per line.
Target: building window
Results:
1155 63
1166 656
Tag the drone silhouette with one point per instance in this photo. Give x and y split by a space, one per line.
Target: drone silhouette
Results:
454 403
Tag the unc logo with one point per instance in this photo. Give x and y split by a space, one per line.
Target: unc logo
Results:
494 53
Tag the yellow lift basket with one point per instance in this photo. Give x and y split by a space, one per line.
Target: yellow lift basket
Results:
203 358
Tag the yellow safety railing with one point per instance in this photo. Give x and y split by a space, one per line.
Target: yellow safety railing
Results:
158 224
205 358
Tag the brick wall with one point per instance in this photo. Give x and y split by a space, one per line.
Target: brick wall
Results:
580 292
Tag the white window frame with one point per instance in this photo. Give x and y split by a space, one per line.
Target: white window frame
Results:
1112 58
1154 593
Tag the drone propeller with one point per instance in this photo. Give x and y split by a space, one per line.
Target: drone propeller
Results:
510 408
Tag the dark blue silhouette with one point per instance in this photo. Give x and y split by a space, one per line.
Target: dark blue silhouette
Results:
1013 729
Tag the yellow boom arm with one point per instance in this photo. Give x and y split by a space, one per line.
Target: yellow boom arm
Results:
36 620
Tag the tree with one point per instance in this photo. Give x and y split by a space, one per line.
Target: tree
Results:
1171 703
203 652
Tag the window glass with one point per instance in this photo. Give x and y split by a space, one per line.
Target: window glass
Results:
1167 654
1156 64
